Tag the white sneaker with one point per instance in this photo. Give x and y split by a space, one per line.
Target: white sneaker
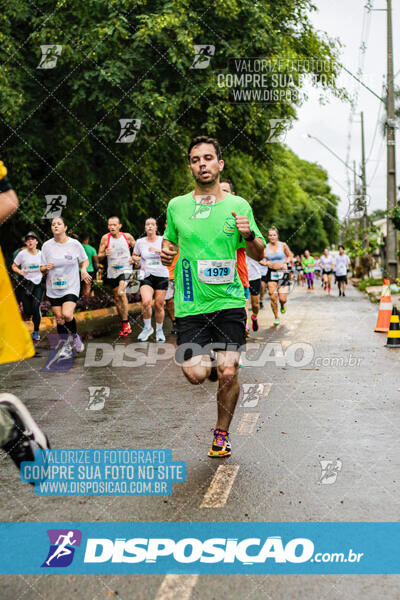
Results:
77 343
160 337
145 334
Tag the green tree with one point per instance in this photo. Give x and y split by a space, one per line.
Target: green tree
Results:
130 59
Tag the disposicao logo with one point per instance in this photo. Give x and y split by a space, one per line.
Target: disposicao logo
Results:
191 550
62 547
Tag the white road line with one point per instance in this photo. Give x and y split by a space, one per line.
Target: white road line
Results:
267 389
247 423
176 586
220 486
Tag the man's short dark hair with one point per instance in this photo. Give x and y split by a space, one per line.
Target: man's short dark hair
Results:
205 139
229 182
340 247
114 218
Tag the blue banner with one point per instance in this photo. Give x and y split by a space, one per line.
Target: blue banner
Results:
103 472
250 548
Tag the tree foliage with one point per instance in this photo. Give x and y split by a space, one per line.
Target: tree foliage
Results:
132 59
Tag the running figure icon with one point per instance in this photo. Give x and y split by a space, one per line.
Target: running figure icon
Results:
62 549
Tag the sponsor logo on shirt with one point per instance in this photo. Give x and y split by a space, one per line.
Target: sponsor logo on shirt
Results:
187 281
229 226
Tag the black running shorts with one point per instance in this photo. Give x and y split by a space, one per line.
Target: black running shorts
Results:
208 332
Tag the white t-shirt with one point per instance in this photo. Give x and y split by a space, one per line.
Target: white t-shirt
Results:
326 262
64 278
341 264
263 269
118 261
254 268
30 263
150 262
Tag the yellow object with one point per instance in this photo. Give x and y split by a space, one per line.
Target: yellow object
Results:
15 340
3 170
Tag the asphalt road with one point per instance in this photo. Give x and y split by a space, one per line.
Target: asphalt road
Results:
330 393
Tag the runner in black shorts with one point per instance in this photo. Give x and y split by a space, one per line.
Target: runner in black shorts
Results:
61 258
116 246
209 225
153 276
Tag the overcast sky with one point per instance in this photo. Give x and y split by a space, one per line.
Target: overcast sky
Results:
348 21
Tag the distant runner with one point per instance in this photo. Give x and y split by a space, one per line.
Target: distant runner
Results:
153 277
342 262
278 256
27 264
308 263
327 264
116 247
209 226
61 258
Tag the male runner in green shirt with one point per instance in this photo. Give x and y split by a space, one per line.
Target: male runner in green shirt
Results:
208 225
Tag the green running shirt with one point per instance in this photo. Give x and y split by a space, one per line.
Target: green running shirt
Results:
308 264
207 232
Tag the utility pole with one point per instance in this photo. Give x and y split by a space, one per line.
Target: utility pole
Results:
363 186
391 237
356 193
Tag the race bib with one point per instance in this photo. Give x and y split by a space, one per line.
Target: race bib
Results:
276 275
216 271
153 262
59 283
327 270
33 268
117 264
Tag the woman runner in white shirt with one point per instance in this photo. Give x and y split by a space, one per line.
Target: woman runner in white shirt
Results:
327 264
27 264
153 280
61 258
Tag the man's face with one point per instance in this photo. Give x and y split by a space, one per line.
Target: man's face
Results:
204 164
225 187
31 243
114 226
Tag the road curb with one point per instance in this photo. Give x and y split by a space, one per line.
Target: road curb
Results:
86 318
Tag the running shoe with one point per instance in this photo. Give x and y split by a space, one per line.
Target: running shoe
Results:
77 343
283 308
221 445
308 290
277 322
125 329
340 292
254 323
36 336
26 434
160 337
343 294
145 334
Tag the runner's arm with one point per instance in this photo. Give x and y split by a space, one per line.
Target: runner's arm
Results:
102 248
16 269
131 239
8 198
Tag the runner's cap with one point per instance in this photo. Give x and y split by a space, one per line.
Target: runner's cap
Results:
31 234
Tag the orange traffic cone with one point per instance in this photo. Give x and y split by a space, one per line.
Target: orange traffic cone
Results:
393 340
385 308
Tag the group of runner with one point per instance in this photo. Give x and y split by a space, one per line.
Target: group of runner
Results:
211 264
327 265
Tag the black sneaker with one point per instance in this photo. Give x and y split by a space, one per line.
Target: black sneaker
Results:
26 435
340 292
213 376
343 294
